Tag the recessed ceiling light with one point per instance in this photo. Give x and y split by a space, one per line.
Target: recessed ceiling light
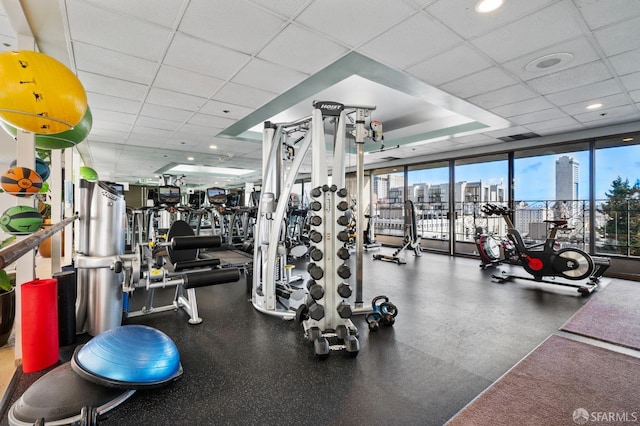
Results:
486 6
213 147
627 139
545 62
594 106
190 158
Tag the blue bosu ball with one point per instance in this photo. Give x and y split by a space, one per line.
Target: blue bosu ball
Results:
128 357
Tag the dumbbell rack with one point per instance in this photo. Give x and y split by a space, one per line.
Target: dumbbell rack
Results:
326 313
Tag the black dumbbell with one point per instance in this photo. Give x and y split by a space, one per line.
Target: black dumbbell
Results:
344 290
344 310
344 271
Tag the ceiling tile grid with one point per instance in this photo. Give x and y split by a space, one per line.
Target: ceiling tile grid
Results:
164 78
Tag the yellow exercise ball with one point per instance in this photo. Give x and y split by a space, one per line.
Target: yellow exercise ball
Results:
39 94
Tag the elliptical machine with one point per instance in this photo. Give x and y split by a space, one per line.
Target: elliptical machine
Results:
544 262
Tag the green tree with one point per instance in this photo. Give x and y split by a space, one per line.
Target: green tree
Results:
623 209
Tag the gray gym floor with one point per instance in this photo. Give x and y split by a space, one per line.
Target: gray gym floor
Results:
456 333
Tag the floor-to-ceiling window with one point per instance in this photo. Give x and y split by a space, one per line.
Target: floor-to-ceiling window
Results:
552 183
388 201
617 196
428 189
478 181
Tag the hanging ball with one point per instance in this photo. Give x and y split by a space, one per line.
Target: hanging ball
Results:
21 181
61 140
42 168
20 220
39 94
87 173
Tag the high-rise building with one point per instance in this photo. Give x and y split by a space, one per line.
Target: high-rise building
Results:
567 180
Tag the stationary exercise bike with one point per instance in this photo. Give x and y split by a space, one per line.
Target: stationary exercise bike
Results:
544 262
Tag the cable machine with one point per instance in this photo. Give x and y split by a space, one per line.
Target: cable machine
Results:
326 312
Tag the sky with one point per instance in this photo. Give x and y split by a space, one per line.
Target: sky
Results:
535 176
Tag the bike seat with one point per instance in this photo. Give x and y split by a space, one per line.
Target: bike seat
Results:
561 222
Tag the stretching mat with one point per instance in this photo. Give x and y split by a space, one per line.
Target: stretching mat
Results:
562 382
612 315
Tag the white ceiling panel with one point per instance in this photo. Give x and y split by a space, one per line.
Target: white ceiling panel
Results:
238 94
184 81
566 124
161 12
286 8
619 38
585 93
627 62
112 116
165 113
302 50
106 62
125 34
199 56
546 27
606 101
156 123
259 74
112 103
523 107
112 86
415 35
504 96
211 121
225 110
353 22
607 114
538 116
631 81
573 77
238 24
598 13
581 49
465 21
480 82
173 99
446 66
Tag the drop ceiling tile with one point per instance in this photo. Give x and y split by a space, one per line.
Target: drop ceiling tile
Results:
598 13
115 116
234 112
292 47
504 96
464 19
165 112
581 49
238 94
112 103
172 99
157 134
627 62
610 120
7 43
522 107
552 127
184 81
584 93
194 129
237 25
259 73
163 12
414 35
606 101
211 121
606 114
106 127
538 116
573 77
287 8
125 34
631 81
157 123
546 27
113 64
199 56
447 66
619 38
635 95
350 22
480 82
112 86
